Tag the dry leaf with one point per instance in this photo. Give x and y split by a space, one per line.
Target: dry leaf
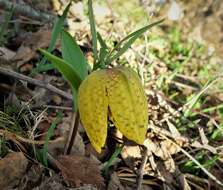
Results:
184 182
27 50
163 149
6 53
130 155
210 148
79 170
12 168
174 131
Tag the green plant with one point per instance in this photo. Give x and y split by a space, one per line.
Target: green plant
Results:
42 153
4 149
14 122
74 68
57 28
114 93
4 25
217 134
201 156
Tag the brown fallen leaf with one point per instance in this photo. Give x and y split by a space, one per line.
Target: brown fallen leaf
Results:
27 50
12 168
130 155
56 149
79 170
6 53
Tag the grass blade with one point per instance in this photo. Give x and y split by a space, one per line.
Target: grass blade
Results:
93 30
191 104
73 55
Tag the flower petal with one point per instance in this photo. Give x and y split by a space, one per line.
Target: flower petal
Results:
93 108
127 102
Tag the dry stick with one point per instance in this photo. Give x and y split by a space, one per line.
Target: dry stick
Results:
72 133
59 107
141 169
11 136
27 11
210 175
35 82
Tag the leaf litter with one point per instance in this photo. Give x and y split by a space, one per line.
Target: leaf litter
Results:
167 146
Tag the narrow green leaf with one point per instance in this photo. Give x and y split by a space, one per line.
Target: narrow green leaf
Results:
93 30
48 136
73 55
109 163
217 133
192 103
42 68
57 28
131 39
103 52
220 106
138 32
67 71
101 41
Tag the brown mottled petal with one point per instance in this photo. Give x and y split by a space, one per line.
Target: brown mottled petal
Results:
93 108
127 102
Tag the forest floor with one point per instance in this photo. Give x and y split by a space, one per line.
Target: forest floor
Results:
180 64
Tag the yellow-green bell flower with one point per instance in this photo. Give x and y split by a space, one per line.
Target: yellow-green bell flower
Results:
117 91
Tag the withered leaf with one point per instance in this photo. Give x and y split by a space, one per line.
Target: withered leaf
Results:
79 170
12 168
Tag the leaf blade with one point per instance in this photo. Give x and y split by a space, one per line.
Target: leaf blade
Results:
57 28
131 39
73 55
48 136
67 71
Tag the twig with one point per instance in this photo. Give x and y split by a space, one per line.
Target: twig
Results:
182 85
35 82
164 132
141 169
12 136
72 133
27 11
59 107
65 108
210 175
